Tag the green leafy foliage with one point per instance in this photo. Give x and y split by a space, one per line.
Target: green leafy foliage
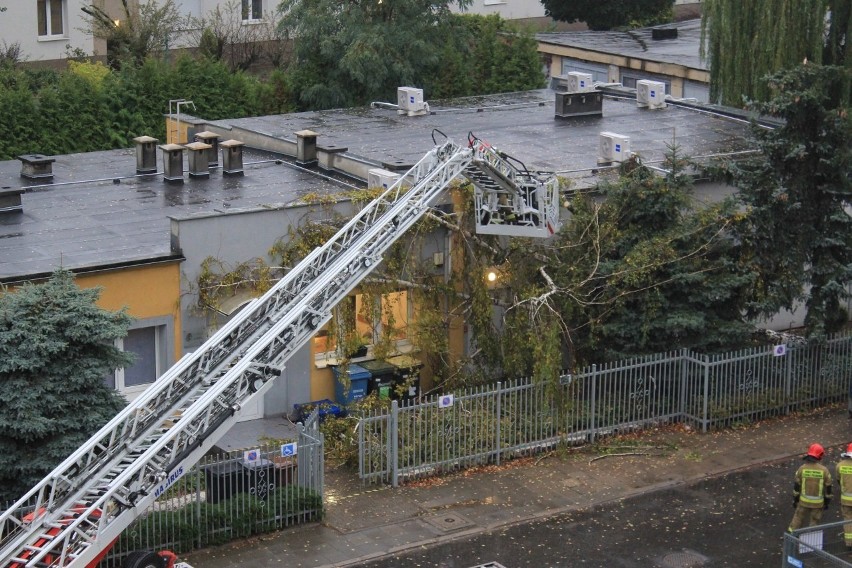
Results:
244 515
796 233
349 54
746 41
56 347
144 29
609 14
84 109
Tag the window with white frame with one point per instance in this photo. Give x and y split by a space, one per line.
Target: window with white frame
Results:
51 18
252 10
149 341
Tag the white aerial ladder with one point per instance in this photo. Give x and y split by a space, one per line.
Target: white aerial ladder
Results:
75 514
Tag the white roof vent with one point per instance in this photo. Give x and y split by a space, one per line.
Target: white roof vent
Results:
613 147
580 82
410 101
650 94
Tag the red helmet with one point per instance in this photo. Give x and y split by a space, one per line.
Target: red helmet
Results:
849 449
817 451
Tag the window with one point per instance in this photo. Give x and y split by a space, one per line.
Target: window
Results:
598 71
384 317
252 10
151 342
629 80
51 18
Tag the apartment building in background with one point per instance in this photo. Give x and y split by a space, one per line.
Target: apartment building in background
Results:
48 30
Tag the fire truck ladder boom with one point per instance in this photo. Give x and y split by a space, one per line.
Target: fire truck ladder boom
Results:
73 516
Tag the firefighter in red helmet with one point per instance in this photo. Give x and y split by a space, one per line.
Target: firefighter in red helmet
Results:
811 490
844 478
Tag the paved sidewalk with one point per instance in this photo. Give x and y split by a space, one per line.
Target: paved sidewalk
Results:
364 523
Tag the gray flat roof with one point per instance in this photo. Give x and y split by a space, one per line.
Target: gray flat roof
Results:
638 44
82 224
520 124
88 224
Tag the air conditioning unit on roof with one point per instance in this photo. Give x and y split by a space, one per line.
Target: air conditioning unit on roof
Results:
650 94
613 147
378 177
410 101
580 82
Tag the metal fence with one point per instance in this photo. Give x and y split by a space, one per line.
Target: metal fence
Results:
494 423
225 497
816 547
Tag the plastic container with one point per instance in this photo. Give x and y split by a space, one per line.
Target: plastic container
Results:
408 374
359 379
383 378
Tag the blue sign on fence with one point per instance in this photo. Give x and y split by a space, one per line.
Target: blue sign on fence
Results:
288 450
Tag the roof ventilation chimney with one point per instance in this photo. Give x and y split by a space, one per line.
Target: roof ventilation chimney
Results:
306 147
37 167
232 157
10 200
579 104
172 162
410 101
213 139
663 33
146 155
198 159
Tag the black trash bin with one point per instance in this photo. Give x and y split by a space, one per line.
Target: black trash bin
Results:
225 480
408 375
382 378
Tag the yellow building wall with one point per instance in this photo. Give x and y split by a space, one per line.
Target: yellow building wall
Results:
147 291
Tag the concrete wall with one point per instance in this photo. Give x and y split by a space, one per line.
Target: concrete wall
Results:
232 238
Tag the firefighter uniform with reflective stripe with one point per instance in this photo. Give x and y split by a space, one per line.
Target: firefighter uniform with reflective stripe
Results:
811 493
844 478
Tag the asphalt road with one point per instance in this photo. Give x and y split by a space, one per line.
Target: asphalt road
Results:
735 520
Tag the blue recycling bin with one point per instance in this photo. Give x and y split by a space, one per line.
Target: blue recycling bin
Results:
359 381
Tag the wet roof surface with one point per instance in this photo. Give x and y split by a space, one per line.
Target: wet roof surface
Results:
520 124
683 50
81 223
92 223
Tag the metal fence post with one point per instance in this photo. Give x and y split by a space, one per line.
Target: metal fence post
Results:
705 409
499 414
788 382
393 442
684 374
593 402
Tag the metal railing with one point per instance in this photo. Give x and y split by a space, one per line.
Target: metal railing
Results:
506 420
223 498
816 547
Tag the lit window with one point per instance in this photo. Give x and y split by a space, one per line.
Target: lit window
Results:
252 10
51 18
362 313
